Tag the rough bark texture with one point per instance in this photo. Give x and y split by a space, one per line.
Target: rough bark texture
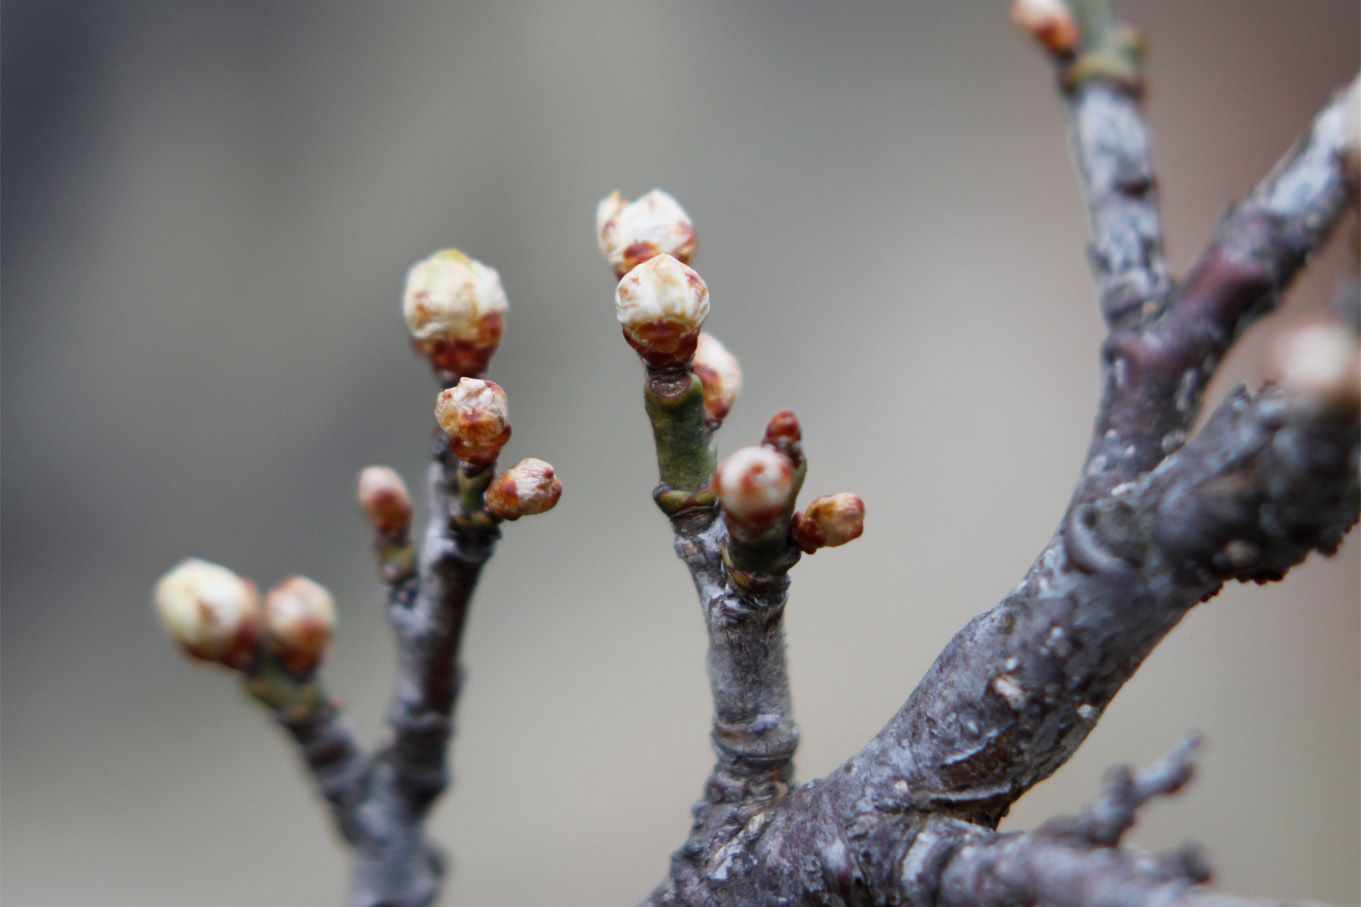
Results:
1156 524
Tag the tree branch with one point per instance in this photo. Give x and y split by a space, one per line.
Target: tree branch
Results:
1155 374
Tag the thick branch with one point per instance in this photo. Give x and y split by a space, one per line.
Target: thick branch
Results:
1016 691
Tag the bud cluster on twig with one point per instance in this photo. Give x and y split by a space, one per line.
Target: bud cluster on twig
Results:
216 616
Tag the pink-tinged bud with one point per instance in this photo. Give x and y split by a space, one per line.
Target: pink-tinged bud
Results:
455 308
211 612
720 374
385 500
301 618
784 434
754 485
661 305
527 488
829 521
1320 361
630 233
1050 22
473 415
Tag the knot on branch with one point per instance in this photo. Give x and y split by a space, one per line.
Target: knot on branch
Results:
1103 537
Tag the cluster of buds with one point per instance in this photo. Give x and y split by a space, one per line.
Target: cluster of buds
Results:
631 233
300 617
1049 22
216 616
529 487
661 304
473 414
720 375
455 309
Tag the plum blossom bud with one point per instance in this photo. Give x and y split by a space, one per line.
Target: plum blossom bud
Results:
720 374
455 308
211 612
385 500
632 232
473 415
1320 361
300 617
527 488
754 485
829 521
783 433
1050 22
661 305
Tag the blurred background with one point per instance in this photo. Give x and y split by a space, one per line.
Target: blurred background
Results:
209 209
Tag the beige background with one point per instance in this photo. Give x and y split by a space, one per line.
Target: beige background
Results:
208 212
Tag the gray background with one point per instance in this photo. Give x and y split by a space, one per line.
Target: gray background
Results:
208 212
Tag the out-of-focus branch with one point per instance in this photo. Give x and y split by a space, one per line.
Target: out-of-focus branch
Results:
1100 69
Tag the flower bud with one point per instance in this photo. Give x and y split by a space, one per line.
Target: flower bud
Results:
527 488
630 233
1050 22
211 612
385 500
829 521
1320 361
455 308
661 305
473 415
721 375
783 433
300 617
754 485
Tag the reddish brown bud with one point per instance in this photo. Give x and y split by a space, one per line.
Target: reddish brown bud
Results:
473 415
385 500
300 617
211 612
527 488
829 521
1048 21
784 434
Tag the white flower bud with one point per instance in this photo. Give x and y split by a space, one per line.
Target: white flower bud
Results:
527 488
385 500
1320 361
301 618
661 305
455 308
632 233
754 485
1050 22
829 521
473 415
210 611
721 375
